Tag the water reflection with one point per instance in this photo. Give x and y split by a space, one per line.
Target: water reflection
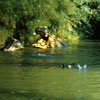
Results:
25 75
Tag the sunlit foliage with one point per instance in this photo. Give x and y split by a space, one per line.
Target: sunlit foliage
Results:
67 19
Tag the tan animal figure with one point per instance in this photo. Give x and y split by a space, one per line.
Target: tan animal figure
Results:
41 43
51 41
46 39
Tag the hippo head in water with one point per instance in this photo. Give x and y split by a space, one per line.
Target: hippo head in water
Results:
12 45
42 31
73 65
17 44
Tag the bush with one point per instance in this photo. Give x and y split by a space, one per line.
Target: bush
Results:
67 19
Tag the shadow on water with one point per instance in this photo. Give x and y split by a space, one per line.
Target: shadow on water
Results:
36 74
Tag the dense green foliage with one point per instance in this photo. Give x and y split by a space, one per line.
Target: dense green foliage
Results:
89 18
67 19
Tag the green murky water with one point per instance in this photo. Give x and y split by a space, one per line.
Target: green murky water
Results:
35 74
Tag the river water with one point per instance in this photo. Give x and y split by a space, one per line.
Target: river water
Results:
36 74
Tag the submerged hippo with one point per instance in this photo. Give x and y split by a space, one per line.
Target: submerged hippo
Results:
50 40
61 44
73 65
12 45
